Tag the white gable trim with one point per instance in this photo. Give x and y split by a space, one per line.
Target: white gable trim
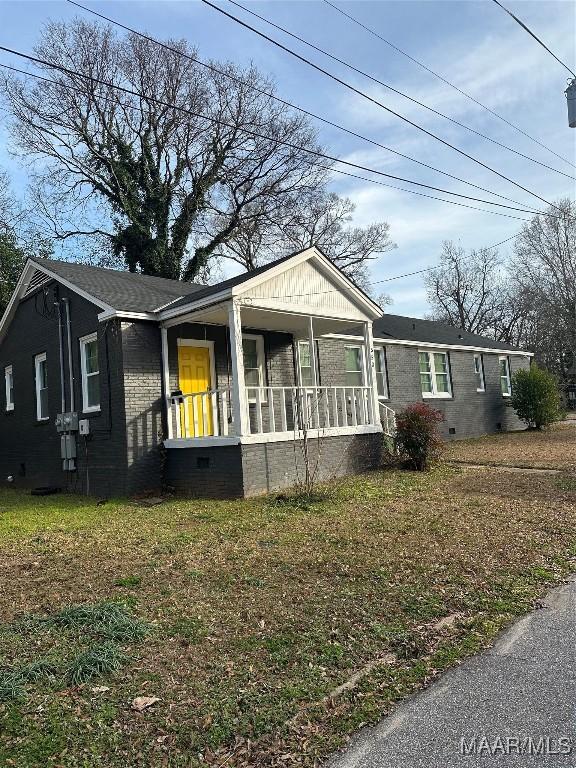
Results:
68 284
371 309
313 254
29 268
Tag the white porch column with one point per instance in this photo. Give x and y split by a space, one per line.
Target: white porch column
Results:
371 372
166 381
313 356
239 401
313 363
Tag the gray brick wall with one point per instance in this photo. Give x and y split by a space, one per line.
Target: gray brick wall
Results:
272 466
30 450
213 472
468 412
145 427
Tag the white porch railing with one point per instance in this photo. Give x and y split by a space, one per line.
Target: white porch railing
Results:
272 410
388 419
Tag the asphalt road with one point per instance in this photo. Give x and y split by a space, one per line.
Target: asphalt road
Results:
521 690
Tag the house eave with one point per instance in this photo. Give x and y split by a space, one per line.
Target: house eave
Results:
433 345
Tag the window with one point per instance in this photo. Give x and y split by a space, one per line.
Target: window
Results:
479 373
41 381
354 367
381 377
434 374
305 364
90 368
9 387
253 353
505 384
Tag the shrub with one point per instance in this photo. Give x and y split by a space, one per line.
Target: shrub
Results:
535 397
417 436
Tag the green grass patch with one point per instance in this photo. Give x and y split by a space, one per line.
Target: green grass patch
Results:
256 611
97 661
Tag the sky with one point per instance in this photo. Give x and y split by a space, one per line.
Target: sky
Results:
474 44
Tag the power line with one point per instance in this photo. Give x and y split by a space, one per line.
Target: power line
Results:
432 197
332 170
527 29
446 81
255 134
385 280
370 98
263 92
379 82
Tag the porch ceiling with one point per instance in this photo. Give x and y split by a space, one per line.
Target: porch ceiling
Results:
270 320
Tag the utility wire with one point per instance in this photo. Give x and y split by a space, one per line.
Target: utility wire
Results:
370 98
379 82
266 93
332 170
255 134
433 197
445 80
527 29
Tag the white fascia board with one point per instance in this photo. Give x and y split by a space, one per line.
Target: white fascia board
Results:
313 254
17 294
214 298
29 268
68 284
110 314
433 345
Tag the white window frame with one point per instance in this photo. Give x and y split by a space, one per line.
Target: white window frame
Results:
362 364
508 377
260 358
9 387
480 358
381 350
301 343
435 394
41 358
83 341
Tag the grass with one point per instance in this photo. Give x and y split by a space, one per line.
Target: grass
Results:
554 448
248 614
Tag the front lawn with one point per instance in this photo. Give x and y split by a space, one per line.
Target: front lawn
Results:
553 448
245 618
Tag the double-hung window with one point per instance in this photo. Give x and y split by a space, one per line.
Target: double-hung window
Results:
505 382
479 373
253 354
354 366
434 374
305 363
41 385
9 387
90 369
381 373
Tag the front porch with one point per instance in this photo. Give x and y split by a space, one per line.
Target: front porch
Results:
265 381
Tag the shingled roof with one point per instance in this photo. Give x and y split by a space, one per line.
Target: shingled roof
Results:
432 332
124 291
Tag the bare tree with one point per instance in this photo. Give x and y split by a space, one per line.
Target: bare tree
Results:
167 187
317 218
544 268
467 290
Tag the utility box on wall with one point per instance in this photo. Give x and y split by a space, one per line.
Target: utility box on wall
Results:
68 452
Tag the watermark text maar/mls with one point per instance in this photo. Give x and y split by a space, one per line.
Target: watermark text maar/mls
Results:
516 745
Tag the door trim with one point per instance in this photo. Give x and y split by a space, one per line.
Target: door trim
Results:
207 344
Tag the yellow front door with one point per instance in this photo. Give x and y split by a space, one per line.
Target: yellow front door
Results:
194 377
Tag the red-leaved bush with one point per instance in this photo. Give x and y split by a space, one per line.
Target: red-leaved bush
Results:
417 437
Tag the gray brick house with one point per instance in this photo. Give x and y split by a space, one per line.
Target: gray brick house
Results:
117 383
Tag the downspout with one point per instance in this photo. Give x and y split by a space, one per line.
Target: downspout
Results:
61 350
70 369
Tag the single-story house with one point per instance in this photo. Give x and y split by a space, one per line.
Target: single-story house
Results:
118 383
